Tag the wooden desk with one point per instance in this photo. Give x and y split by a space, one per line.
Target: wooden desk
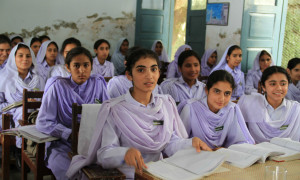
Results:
254 172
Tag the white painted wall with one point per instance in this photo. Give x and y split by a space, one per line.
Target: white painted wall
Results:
221 37
87 20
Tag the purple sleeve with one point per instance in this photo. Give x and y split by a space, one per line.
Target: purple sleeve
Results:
3 102
176 143
48 120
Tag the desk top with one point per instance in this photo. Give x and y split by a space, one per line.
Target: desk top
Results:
255 171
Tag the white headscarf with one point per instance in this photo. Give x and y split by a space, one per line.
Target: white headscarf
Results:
14 36
223 61
40 57
205 58
256 66
118 58
10 75
180 50
164 56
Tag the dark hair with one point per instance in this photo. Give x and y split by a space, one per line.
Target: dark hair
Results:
35 39
136 55
293 63
220 75
272 70
264 52
70 40
185 54
54 44
78 51
158 42
21 46
4 39
99 42
44 37
234 47
17 37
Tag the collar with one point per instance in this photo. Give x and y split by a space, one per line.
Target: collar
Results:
75 85
96 61
180 79
228 69
268 106
28 77
131 100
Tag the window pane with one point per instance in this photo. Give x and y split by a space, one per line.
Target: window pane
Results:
153 4
198 5
265 2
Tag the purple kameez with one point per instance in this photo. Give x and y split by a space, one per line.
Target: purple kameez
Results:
222 129
105 70
55 115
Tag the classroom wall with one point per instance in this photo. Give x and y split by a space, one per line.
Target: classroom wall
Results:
87 20
221 37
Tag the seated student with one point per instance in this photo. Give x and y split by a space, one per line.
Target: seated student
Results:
47 57
55 115
118 56
18 74
61 69
101 65
35 44
44 38
161 52
208 61
4 50
173 71
128 136
231 62
15 39
215 119
119 85
271 115
262 61
187 85
293 69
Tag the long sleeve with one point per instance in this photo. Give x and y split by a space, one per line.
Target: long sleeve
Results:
48 119
176 143
3 102
249 87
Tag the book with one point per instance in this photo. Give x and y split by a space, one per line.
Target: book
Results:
30 132
245 155
12 105
290 148
187 164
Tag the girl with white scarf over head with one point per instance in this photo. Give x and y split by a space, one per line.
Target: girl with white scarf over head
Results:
18 74
262 61
118 57
208 61
160 50
293 68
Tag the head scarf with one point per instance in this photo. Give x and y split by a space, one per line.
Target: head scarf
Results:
118 58
204 60
180 50
164 56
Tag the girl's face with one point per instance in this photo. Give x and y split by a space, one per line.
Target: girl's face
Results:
212 59
102 51
158 48
51 53
15 42
218 96
4 52
235 58
276 87
190 69
295 73
264 62
80 68
23 59
36 47
124 47
144 76
68 48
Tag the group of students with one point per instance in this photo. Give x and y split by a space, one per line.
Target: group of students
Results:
139 121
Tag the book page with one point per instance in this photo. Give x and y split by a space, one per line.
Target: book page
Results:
263 153
286 142
200 163
238 159
288 152
30 132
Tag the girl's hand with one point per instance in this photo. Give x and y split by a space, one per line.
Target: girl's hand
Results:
133 157
200 145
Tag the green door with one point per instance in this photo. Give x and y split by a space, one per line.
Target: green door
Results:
152 22
262 28
196 25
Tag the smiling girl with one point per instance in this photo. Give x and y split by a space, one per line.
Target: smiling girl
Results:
231 62
215 119
271 115
55 115
138 126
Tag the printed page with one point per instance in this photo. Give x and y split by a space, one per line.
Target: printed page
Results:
199 163
263 153
286 142
289 153
238 159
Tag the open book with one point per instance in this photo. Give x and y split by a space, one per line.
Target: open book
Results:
187 164
12 105
244 155
30 132
290 148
